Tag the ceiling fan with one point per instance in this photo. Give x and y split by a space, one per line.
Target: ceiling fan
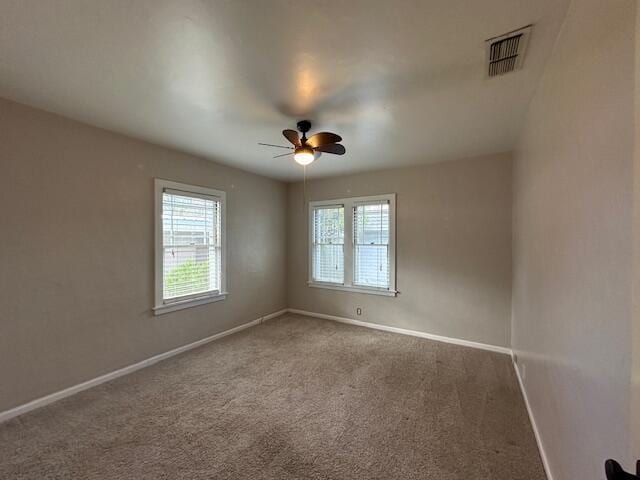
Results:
305 150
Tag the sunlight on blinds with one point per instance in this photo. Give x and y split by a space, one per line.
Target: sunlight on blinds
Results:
191 243
328 244
371 241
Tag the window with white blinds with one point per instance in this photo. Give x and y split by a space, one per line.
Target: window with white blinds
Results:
328 244
371 244
352 244
189 245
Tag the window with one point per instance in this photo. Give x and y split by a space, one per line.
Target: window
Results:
371 244
328 244
190 246
352 244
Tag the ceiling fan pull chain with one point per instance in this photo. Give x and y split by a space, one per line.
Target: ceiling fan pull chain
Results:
304 187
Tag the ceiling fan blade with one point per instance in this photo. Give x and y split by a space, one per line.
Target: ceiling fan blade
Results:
323 138
272 145
292 136
334 148
283 155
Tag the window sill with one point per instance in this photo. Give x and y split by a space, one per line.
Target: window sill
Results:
191 302
346 288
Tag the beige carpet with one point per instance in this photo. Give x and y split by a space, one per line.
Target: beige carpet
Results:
295 398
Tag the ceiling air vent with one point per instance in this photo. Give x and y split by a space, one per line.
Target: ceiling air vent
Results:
506 53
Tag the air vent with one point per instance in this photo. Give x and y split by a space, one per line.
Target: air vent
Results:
506 53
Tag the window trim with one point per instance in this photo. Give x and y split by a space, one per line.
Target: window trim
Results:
186 301
349 245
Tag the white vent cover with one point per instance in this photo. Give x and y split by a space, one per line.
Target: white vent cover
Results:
506 53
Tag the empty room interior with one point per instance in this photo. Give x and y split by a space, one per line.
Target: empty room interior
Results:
320 239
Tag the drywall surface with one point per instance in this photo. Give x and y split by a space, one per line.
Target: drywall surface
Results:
77 249
635 374
573 190
453 249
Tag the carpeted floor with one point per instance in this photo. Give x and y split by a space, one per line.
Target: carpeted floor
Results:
295 398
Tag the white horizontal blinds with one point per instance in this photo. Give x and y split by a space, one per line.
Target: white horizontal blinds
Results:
371 244
328 244
191 244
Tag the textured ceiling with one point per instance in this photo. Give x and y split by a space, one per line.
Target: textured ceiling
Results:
402 81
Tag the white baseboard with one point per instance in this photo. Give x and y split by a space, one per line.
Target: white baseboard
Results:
40 402
274 315
413 333
543 455
67 392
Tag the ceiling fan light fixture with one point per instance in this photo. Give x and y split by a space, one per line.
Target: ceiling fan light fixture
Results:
304 155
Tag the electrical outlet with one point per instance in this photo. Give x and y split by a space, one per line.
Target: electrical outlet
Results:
359 311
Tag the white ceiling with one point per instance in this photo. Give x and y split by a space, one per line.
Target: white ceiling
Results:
402 81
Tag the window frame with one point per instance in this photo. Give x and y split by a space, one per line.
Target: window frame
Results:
349 244
170 305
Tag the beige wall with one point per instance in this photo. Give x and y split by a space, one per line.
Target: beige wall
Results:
453 243
635 383
572 242
76 285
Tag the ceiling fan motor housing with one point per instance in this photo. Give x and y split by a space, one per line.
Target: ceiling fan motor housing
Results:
304 126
